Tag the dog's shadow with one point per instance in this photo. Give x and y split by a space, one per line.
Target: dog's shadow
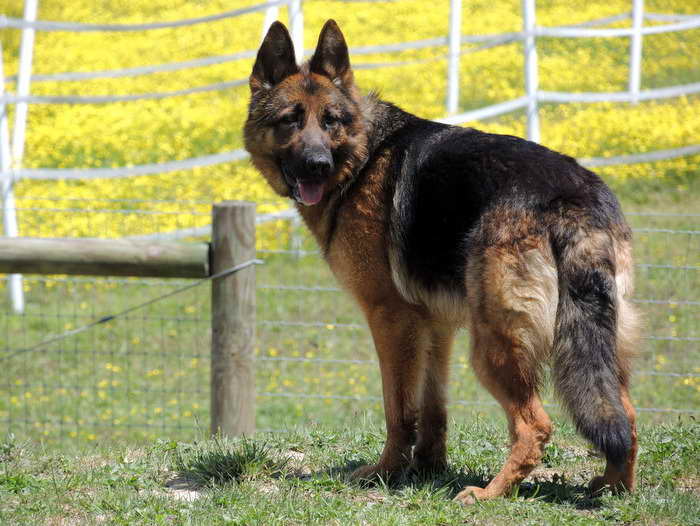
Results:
451 481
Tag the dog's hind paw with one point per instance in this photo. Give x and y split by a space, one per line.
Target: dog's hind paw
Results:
598 485
470 495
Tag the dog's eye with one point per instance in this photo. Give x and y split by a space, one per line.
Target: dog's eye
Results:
330 120
289 119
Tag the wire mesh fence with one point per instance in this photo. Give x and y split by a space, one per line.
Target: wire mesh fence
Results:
147 375
143 373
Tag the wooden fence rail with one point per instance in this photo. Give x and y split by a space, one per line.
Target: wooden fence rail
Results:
104 257
233 296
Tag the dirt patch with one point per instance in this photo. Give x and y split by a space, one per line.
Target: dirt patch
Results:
689 484
296 461
267 487
184 489
370 497
542 474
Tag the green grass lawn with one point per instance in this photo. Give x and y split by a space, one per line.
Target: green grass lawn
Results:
301 477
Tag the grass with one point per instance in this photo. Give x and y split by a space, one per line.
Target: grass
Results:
301 477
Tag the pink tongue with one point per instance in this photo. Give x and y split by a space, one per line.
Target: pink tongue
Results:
311 193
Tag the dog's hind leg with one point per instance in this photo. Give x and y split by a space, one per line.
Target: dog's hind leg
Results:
499 365
430 453
616 478
401 337
512 300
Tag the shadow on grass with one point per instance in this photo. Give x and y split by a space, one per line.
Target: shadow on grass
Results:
452 481
223 462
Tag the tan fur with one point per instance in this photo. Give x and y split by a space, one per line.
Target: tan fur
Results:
628 321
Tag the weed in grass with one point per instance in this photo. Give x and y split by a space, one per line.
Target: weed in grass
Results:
9 450
18 483
222 461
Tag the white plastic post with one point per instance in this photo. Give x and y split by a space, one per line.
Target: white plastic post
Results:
296 24
24 78
455 46
271 14
9 210
636 49
531 77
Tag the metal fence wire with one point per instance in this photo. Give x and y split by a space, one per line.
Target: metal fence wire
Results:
147 374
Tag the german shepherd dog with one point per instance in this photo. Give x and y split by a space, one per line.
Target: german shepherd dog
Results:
433 227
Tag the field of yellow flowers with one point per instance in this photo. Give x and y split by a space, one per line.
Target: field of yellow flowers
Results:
147 375
139 132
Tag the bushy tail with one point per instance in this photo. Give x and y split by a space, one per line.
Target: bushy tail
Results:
587 371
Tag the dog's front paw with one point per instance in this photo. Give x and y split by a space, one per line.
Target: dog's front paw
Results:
429 462
374 473
470 495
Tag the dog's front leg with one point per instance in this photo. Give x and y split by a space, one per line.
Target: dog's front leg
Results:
401 340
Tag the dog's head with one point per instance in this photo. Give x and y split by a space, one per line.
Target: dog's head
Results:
305 130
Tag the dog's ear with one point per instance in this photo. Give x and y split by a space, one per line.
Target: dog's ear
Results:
275 60
331 56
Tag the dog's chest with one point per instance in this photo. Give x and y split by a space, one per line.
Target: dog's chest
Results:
357 253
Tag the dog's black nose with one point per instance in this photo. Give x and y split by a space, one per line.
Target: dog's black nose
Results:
319 163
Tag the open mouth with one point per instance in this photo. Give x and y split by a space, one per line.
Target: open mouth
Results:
306 192
310 192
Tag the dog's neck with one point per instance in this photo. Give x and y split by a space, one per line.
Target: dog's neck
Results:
383 120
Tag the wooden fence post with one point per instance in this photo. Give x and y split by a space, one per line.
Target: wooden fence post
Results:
233 320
